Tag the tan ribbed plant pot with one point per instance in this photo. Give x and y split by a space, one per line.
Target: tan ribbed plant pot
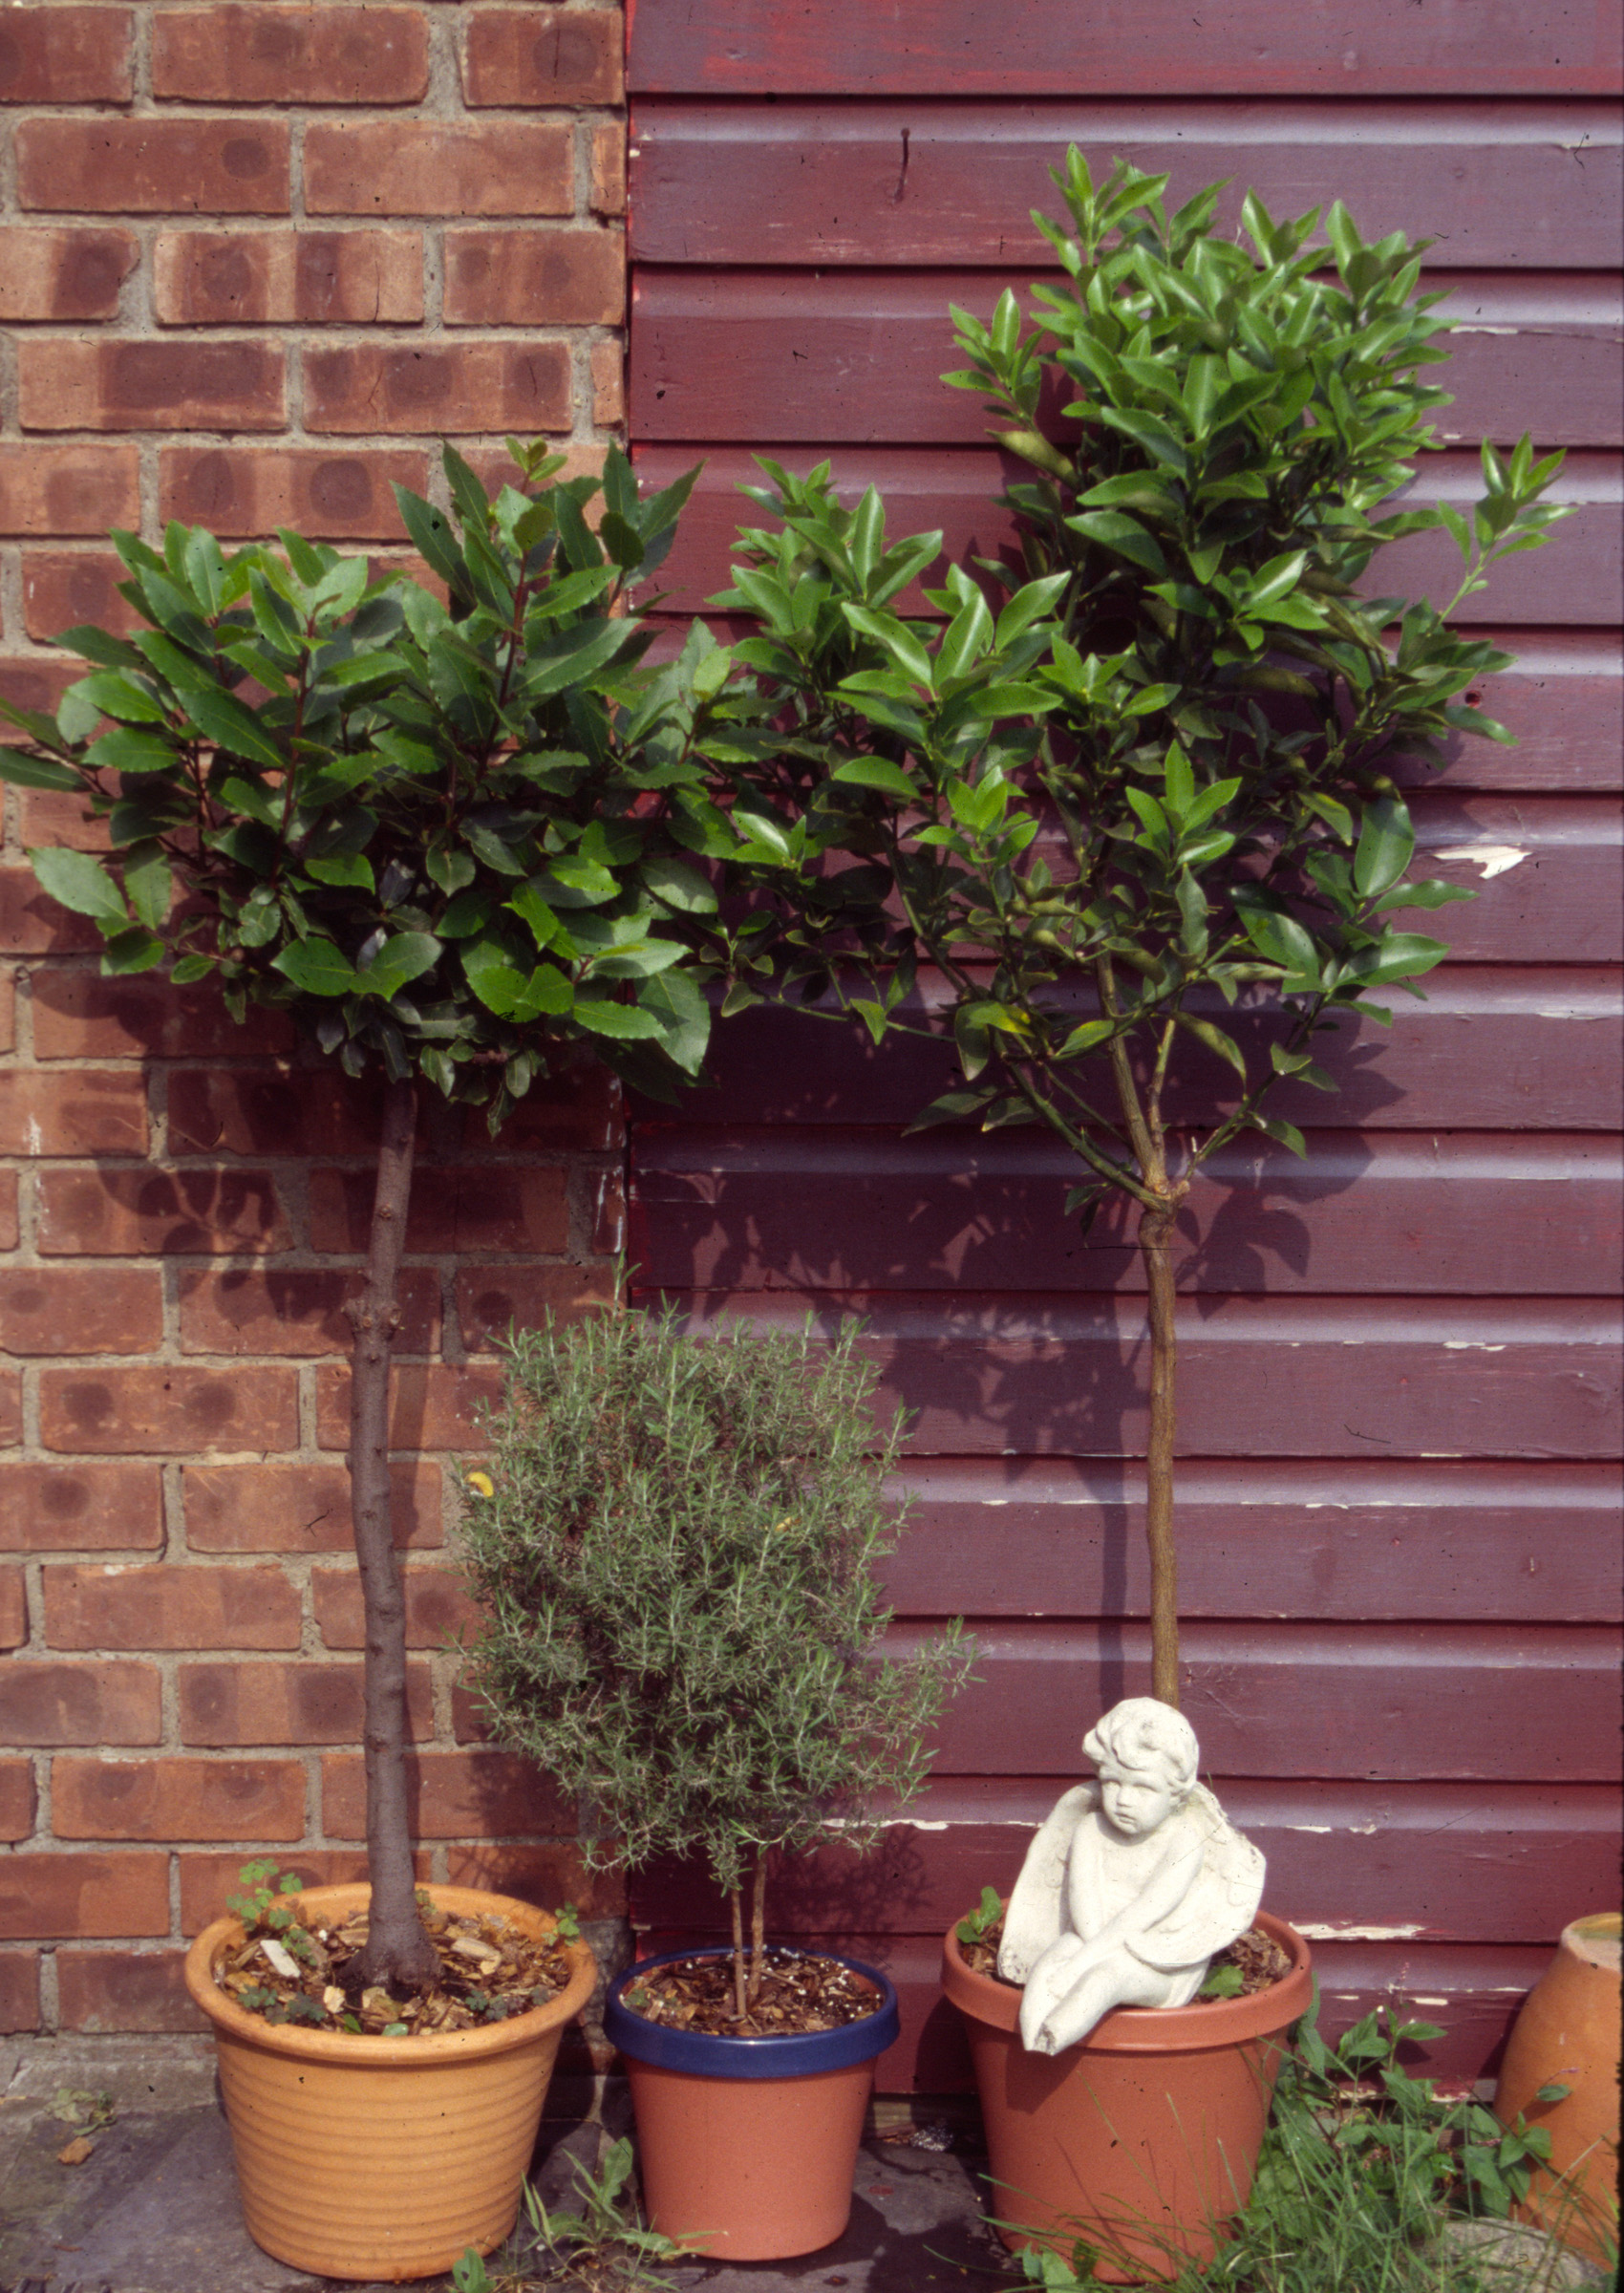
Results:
383 2158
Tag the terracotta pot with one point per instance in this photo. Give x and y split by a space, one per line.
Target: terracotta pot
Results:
1568 2034
1142 2139
383 2158
747 2146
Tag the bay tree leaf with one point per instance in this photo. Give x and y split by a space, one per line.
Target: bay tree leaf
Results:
79 882
318 967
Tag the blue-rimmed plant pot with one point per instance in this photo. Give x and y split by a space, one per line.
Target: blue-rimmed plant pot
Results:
748 2146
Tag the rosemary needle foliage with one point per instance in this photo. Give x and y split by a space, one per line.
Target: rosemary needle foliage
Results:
677 1557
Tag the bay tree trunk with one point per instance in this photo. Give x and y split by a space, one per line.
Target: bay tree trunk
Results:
398 1954
1155 1243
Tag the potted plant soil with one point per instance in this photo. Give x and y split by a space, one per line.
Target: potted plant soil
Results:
455 845
677 1554
1138 826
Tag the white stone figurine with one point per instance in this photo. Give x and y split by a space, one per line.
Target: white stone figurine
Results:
1129 1887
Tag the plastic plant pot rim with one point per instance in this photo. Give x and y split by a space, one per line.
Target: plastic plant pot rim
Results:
1152 2029
441 2047
702 2055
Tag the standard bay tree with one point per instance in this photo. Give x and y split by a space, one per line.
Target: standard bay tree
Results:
1136 819
455 843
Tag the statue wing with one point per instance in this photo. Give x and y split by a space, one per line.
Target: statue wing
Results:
1221 1904
1035 1917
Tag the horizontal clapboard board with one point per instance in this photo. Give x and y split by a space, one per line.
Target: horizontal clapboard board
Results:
1489 1049
1575 580
1010 1376
1450 1863
1354 1539
855 358
1389 1702
920 185
1123 47
1369 1213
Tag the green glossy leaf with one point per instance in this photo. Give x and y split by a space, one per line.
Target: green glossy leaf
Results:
78 882
1386 842
875 772
622 1022
131 752
679 886
316 966
402 958
223 719
36 772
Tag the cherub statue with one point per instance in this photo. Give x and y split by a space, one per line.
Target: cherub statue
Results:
1129 1887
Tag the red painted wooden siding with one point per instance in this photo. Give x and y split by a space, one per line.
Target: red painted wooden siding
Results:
1401 1391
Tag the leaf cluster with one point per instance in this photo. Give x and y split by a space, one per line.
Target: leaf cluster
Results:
679 1567
1151 783
442 836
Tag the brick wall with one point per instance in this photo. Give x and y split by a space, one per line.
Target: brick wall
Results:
254 261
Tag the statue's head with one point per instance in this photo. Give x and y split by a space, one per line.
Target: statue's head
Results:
1147 1758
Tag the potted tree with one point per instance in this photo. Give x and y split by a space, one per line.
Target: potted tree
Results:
1137 824
455 845
676 1551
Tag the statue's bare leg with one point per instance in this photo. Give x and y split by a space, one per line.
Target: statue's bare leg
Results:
1119 1981
1048 1982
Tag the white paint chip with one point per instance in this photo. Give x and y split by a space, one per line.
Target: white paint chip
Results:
1494 859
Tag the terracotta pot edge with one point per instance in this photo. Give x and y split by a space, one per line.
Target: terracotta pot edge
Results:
1154 2029
440 2048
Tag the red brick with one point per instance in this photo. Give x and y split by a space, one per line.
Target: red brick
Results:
431 1406
64 587
296 1310
17 1799
110 1991
166 1411
277 1109
81 1508
79 1703
53 1310
490 1302
63 275
607 360
78 1015
453 1796
60 55
427 167
86 1110
502 1206
171 1604
45 1895
302 1702
534 278
545 1876
326 494
19 1991
608 195
32 923
236 55
173 385
35 683
437 387
579 1108
13 1610
58 816
8 1017
113 1214
153 166
173 1799
299 1507
552 56
274 278
438 1607
10 1380
69 489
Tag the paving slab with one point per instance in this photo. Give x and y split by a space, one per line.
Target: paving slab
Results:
154 2209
